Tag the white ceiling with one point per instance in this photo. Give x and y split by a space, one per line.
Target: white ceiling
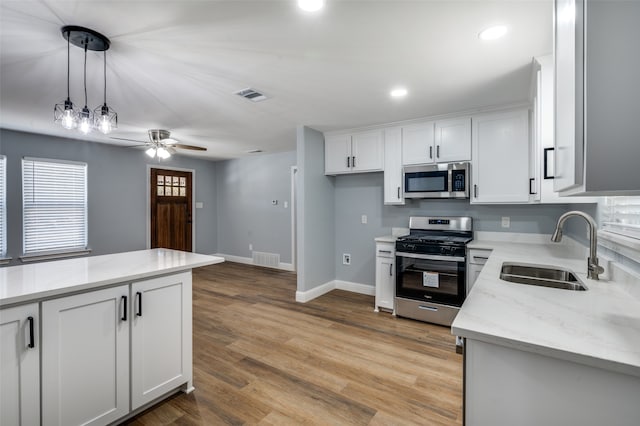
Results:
176 64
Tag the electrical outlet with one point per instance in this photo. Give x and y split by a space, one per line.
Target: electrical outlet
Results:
364 218
506 221
346 259
250 247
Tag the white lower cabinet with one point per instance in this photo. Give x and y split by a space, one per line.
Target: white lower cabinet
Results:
385 276
476 258
85 358
108 352
19 366
161 324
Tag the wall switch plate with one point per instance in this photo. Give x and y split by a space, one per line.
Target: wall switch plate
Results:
199 204
250 247
346 259
364 218
274 202
506 221
286 204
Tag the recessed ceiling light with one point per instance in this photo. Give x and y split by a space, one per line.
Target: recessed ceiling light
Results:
311 5
493 33
399 92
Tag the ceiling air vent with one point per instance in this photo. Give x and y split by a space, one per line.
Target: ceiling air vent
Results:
251 94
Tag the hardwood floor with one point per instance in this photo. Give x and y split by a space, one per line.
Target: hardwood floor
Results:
261 358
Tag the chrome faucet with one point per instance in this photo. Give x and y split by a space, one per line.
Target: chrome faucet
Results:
593 268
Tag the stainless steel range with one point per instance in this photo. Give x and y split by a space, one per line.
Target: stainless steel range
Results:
431 268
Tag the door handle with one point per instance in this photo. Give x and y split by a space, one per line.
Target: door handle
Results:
431 152
124 308
348 162
475 191
32 342
391 269
438 151
353 161
139 296
398 192
530 182
428 308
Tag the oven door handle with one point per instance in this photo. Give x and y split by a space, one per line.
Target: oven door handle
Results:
431 257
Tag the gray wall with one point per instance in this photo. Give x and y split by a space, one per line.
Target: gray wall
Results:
362 194
314 212
117 191
245 188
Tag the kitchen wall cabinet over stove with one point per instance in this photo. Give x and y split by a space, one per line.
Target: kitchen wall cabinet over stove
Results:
354 153
385 276
442 141
20 365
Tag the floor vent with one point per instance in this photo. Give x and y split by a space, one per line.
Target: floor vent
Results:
251 94
270 260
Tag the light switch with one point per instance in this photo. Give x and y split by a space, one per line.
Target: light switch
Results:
286 204
199 204
364 218
506 221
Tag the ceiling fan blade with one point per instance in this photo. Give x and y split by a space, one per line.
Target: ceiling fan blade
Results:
128 140
192 147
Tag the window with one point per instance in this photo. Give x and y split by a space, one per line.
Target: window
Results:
3 206
621 215
54 206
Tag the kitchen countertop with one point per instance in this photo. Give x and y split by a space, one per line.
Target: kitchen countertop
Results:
599 327
36 281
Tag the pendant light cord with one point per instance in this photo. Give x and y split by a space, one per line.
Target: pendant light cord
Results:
85 73
68 62
105 76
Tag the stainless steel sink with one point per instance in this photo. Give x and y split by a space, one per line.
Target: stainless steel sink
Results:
544 276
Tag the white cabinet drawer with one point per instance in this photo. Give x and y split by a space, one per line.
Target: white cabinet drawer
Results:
478 256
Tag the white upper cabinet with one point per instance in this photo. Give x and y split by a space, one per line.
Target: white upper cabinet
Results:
442 141
500 167
393 185
417 144
596 108
453 140
354 153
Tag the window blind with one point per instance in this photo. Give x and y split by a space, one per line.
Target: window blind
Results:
3 206
54 202
621 215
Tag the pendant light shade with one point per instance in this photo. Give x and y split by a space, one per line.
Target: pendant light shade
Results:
102 118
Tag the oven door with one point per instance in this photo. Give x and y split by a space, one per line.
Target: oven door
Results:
434 278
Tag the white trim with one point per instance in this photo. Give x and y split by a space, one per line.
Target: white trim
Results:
193 201
292 205
249 261
306 296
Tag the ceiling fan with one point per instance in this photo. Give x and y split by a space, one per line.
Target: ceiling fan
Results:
161 144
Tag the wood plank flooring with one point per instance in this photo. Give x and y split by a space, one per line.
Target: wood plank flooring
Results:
260 358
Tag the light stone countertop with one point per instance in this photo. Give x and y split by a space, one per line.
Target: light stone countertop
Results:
599 327
37 281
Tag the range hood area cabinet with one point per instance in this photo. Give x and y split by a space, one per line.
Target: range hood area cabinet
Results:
442 141
597 114
354 153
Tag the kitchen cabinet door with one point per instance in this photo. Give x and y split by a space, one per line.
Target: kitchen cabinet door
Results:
501 157
161 325
417 144
385 276
337 154
393 185
367 151
20 366
453 140
85 358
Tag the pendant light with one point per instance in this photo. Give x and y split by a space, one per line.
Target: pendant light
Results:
64 113
86 115
102 118
106 119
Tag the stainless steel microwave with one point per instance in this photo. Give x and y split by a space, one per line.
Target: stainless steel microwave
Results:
449 180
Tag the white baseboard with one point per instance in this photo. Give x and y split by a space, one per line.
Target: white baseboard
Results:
306 296
249 261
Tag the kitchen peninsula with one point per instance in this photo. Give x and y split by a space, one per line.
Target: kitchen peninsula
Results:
98 338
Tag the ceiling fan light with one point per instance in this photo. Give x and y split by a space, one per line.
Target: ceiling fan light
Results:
151 152
163 153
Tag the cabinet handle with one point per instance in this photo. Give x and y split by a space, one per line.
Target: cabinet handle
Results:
438 151
124 308
353 161
391 269
139 296
384 251
431 152
32 342
530 182
398 192
348 162
475 191
480 257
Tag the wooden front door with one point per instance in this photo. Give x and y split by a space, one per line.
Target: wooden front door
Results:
171 197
